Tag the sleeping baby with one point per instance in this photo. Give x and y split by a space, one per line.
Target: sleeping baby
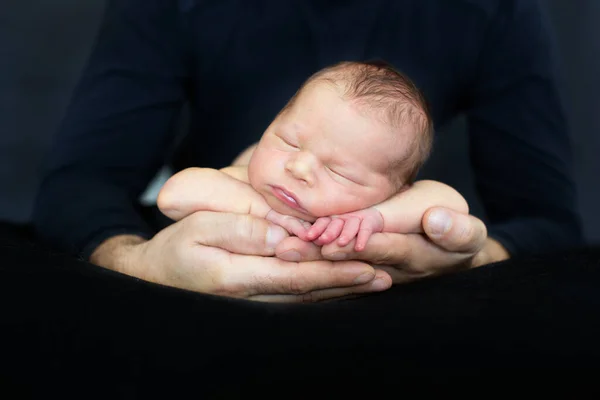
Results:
338 162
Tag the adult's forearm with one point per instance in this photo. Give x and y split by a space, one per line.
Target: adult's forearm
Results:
116 129
520 146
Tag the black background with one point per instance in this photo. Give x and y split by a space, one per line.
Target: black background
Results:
44 45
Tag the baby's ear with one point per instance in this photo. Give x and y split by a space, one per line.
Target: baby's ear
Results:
400 181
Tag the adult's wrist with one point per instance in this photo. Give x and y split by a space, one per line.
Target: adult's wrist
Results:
491 252
118 253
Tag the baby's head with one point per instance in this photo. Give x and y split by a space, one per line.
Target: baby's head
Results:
352 136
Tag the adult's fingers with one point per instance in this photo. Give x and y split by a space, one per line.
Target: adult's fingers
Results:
197 254
454 231
250 276
413 253
381 281
452 238
236 233
403 275
296 249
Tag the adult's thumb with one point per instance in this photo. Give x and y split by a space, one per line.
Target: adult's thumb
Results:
237 233
453 231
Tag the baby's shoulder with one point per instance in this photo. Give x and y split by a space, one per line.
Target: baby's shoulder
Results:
238 172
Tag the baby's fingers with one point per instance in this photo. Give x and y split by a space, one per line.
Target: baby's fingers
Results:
295 226
298 227
318 228
331 233
364 233
349 232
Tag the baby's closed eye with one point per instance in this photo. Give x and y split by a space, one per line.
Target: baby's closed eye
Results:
336 174
287 142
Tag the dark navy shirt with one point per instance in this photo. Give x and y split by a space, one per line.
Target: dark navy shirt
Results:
235 63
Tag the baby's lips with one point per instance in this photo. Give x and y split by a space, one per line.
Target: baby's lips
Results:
288 198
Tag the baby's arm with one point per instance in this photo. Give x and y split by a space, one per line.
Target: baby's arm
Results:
402 213
225 190
206 189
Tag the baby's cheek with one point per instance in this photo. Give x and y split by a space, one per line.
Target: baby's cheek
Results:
351 202
259 165
253 172
329 203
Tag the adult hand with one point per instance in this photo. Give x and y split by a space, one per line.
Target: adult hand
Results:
232 255
452 241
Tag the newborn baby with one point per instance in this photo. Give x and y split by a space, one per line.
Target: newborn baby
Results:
338 162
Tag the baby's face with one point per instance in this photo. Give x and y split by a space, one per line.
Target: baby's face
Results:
323 157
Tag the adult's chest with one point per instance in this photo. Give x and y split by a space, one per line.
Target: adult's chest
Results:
250 57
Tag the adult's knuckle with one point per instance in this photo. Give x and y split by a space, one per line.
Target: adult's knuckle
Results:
465 235
199 221
386 256
223 286
194 219
309 297
392 253
481 231
297 284
245 226
471 235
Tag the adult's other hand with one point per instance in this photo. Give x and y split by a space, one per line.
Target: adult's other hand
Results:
451 241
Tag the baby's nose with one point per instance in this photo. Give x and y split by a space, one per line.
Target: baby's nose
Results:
301 168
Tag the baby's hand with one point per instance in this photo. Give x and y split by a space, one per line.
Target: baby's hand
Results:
360 224
295 226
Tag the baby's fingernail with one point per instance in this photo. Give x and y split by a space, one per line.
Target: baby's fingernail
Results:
337 256
275 234
439 222
290 255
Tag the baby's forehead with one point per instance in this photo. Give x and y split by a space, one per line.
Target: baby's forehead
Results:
322 113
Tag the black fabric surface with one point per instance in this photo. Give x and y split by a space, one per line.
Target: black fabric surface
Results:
70 324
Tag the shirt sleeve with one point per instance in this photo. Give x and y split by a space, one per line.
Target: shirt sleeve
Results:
519 143
116 130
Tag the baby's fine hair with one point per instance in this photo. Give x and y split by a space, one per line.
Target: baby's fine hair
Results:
392 96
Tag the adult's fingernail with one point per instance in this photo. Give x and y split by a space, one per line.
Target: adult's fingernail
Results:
290 255
337 256
275 234
380 284
364 278
439 222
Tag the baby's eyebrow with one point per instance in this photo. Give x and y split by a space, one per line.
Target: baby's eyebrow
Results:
288 130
